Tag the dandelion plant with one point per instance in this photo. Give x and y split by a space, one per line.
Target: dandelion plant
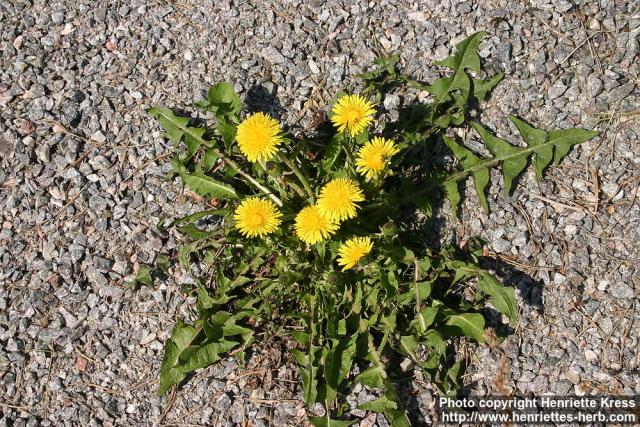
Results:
321 243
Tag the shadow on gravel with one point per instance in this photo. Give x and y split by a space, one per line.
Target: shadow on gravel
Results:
260 99
531 292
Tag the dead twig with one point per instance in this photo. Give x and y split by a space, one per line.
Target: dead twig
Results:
556 204
144 165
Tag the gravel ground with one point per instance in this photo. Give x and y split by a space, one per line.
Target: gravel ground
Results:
82 187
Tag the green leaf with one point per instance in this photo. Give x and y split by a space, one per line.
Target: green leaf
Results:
409 344
362 137
191 219
502 297
380 404
465 56
402 254
301 337
209 160
177 127
332 152
481 88
512 158
181 337
162 262
228 131
449 377
309 362
424 319
206 186
231 329
462 270
205 302
371 377
142 277
470 324
224 101
453 195
338 361
564 139
515 160
534 138
172 124
194 140
397 417
433 340
389 282
329 422
207 355
472 162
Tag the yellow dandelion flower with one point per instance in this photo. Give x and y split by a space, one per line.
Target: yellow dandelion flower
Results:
312 226
371 159
338 199
353 250
258 136
352 113
257 217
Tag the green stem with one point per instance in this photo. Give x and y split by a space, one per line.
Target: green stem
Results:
301 176
415 289
251 179
297 189
347 151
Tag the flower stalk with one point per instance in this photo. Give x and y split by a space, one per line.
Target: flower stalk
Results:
301 176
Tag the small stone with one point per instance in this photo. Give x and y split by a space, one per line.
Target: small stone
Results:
563 6
121 267
391 101
313 67
272 55
95 277
591 356
223 403
76 252
148 338
55 384
301 71
621 290
119 212
594 85
98 136
557 90
562 387
6 145
503 52
418 16
15 345
69 319
501 245
559 278
25 127
81 363
57 17
111 44
97 203
610 189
